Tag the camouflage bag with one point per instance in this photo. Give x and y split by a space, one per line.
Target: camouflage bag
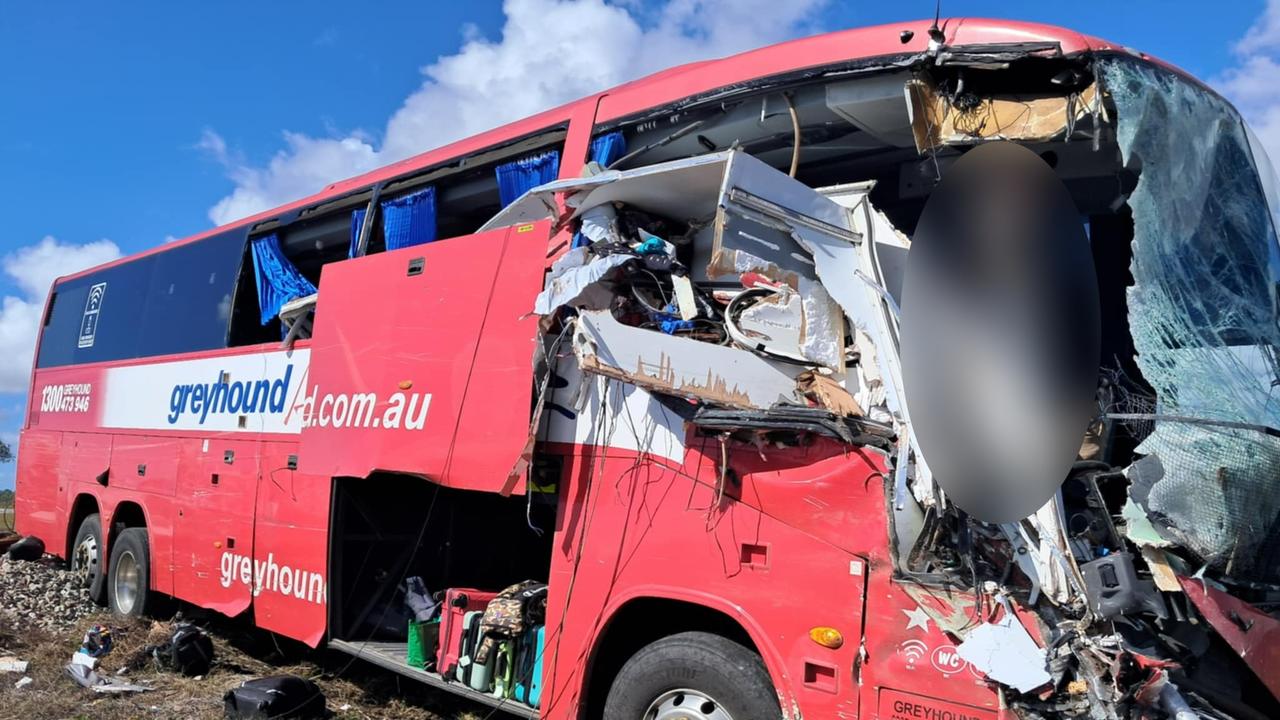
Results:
520 606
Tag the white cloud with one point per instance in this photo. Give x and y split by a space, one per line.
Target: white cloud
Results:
533 65
1253 83
33 269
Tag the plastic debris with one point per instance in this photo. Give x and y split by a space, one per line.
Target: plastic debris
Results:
1004 652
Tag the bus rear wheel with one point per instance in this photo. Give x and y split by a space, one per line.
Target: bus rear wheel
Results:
86 558
129 573
693 675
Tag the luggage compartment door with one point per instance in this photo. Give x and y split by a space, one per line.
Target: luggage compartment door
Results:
421 360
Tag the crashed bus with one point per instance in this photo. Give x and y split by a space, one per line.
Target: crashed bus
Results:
644 351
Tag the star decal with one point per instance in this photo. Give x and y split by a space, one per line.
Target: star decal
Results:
917 618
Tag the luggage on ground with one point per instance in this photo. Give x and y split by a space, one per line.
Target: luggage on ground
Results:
188 651
278 696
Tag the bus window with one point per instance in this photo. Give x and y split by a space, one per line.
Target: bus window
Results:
108 328
189 305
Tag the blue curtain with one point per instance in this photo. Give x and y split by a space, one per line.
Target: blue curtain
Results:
518 177
278 280
410 219
607 148
357 220
407 220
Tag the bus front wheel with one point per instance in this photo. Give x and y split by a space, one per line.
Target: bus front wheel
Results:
694 675
129 573
87 561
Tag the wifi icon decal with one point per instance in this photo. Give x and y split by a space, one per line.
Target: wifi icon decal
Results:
913 651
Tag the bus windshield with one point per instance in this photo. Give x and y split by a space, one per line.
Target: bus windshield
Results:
1203 306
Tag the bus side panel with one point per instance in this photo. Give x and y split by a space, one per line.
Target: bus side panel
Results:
394 353
213 530
144 470
147 464
291 538
494 419
654 531
35 508
85 458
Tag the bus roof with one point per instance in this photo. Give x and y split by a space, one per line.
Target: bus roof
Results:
687 81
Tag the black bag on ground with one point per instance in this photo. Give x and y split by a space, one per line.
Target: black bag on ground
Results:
28 548
278 696
188 651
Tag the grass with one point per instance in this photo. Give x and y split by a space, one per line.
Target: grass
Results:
354 690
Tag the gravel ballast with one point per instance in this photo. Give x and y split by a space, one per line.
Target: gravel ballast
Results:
42 593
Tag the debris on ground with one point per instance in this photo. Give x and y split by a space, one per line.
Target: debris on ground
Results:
187 651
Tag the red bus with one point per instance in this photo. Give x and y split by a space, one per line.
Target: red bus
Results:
666 383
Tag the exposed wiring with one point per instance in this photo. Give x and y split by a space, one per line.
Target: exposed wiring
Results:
721 480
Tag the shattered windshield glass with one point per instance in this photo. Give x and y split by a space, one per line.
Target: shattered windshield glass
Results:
1203 314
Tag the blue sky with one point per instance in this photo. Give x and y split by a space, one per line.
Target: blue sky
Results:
124 124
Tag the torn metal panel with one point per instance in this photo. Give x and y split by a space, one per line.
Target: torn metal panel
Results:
756 209
686 188
876 105
938 120
854 431
594 411
1254 635
1005 653
677 366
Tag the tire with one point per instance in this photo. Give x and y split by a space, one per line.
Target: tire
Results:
693 675
86 558
129 573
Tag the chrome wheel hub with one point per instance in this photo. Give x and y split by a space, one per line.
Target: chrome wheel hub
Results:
84 561
686 705
126 582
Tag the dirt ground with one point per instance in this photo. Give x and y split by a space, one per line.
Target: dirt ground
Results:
353 689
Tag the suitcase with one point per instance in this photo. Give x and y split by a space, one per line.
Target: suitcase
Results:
528 670
504 663
478 677
278 696
457 603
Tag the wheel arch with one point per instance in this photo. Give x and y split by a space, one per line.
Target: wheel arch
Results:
84 505
125 514
628 626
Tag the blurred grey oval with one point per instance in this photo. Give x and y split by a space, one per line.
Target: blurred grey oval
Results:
1000 338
